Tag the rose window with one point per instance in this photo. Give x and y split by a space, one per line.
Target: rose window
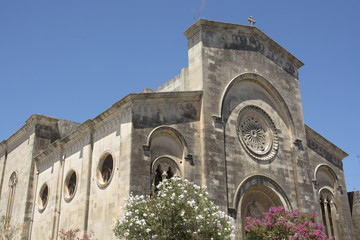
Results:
257 133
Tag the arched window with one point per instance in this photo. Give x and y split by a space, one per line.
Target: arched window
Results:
326 182
164 168
12 187
328 212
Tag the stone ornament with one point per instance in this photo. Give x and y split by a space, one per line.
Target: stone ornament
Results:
257 133
13 180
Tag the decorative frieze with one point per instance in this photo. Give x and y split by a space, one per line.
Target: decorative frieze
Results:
311 143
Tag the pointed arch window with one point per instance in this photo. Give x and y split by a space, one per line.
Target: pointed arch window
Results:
12 189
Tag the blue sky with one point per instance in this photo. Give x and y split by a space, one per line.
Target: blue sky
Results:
73 59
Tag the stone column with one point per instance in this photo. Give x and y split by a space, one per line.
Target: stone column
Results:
333 217
328 226
164 175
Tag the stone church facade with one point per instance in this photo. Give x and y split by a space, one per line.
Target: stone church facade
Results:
232 120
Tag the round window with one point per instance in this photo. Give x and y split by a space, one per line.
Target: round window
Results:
70 185
257 133
105 170
43 197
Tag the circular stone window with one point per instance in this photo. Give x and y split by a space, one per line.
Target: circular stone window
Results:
257 133
43 197
70 185
105 170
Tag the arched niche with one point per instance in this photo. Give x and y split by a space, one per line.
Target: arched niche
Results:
254 196
13 181
251 86
325 176
166 140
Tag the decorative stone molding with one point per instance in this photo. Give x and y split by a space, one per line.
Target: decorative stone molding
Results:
257 133
13 180
240 37
189 159
324 153
218 122
324 148
147 151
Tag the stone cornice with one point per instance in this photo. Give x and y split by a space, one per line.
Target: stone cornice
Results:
121 105
242 37
25 131
324 147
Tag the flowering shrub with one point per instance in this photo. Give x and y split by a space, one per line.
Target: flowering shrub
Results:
278 223
71 234
178 210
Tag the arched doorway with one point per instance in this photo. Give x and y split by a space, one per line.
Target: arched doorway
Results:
254 196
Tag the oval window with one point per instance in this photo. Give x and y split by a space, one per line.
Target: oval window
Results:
43 197
70 185
105 170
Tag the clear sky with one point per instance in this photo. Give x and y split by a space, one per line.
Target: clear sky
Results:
73 59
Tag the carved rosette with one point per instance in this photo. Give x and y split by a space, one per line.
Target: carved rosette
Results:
257 133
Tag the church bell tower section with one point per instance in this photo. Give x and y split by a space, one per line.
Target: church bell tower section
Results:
253 133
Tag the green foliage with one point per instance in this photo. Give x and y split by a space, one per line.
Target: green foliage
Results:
178 210
8 232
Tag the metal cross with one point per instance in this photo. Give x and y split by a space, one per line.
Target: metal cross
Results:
251 20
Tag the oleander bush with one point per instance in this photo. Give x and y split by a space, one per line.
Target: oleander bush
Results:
178 210
280 224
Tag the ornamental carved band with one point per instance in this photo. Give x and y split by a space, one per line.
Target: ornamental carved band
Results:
257 133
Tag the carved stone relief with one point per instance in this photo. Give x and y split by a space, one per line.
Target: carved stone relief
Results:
311 143
257 133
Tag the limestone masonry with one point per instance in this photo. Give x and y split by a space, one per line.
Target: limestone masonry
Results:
232 120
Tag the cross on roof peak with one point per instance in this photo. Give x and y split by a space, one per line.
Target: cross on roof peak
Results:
251 20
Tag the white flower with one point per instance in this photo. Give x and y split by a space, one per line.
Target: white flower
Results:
182 213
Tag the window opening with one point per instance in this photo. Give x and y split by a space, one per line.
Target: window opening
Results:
70 185
43 197
107 168
12 187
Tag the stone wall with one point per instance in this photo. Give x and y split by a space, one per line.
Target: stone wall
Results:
354 202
